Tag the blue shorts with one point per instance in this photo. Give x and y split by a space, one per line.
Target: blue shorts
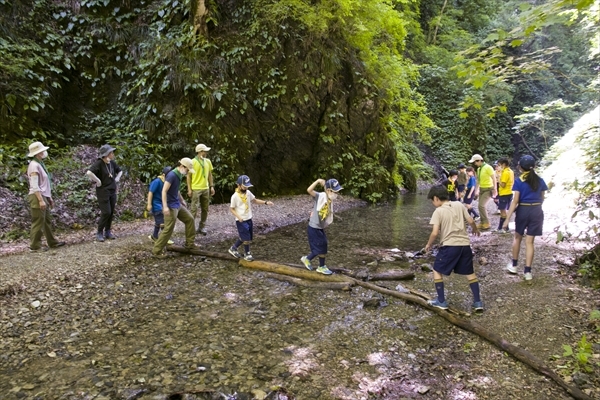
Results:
530 218
457 259
468 200
245 230
460 188
317 239
159 218
504 201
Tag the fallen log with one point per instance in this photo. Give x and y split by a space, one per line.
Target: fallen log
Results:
391 275
345 286
417 298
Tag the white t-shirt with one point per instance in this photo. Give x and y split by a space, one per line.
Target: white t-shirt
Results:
244 210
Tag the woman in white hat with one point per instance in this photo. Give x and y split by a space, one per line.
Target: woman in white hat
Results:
105 173
40 199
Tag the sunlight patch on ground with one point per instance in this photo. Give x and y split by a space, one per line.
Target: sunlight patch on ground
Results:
302 362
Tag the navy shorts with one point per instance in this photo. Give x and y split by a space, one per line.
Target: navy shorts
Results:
317 239
504 201
245 230
460 188
468 200
159 218
530 218
457 259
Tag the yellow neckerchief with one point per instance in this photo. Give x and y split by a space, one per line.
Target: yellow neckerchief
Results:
162 178
243 196
324 211
524 176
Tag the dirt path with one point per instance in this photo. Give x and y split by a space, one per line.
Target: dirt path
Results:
541 316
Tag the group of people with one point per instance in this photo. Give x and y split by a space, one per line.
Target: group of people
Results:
167 205
522 196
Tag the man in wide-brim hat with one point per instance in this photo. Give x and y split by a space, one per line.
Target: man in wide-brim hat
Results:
40 199
105 173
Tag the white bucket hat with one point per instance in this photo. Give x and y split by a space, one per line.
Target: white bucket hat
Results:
202 147
186 162
476 157
36 148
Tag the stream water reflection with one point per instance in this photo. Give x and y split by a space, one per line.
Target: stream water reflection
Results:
190 325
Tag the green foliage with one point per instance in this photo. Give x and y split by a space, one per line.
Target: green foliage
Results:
579 358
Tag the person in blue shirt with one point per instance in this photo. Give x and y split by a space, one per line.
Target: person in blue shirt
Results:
470 193
154 205
529 191
174 208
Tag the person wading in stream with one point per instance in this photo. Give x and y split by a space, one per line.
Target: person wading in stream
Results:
174 208
529 191
40 199
241 208
105 173
454 254
320 218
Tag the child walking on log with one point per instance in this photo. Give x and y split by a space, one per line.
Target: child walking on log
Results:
241 208
320 218
455 254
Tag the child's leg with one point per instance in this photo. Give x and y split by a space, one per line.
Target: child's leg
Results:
439 286
474 285
237 244
516 247
529 251
321 260
247 247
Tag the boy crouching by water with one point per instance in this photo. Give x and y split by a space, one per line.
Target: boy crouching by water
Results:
320 218
241 208
455 254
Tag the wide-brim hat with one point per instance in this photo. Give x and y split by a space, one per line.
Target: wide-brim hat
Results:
105 150
476 157
36 148
333 184
186 162
244 180
202 147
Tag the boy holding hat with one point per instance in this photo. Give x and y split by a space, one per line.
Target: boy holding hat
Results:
173 207
320 218
40 199
105 173
200 186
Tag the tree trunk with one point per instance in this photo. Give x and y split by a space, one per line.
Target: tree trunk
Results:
345 286
199 13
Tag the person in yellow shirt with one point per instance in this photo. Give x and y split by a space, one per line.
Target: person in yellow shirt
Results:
485 189
200 186
505 194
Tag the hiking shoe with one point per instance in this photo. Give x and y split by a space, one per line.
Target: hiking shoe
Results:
109 235
511 269
160 256
170 241
248 257
38 250
202 231
234 252
99 237
58 244
528 276
324 270
438 304
152 238
483 227
306 263
476 219
478 305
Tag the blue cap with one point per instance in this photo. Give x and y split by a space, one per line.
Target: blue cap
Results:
166 170
333 184
527 162
244 181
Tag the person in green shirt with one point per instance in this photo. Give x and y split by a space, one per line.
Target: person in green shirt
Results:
486 188
200 186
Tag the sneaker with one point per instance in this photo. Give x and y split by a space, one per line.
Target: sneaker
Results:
160 256
511 269
501 231
234 252
202 231
324 270
109 235
476 219
528 276
436 303
152 238
58 244
38 250
170 241
99 237
248 257
483 227
306 263
478 305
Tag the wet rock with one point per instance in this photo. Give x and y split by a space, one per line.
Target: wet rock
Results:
372 303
